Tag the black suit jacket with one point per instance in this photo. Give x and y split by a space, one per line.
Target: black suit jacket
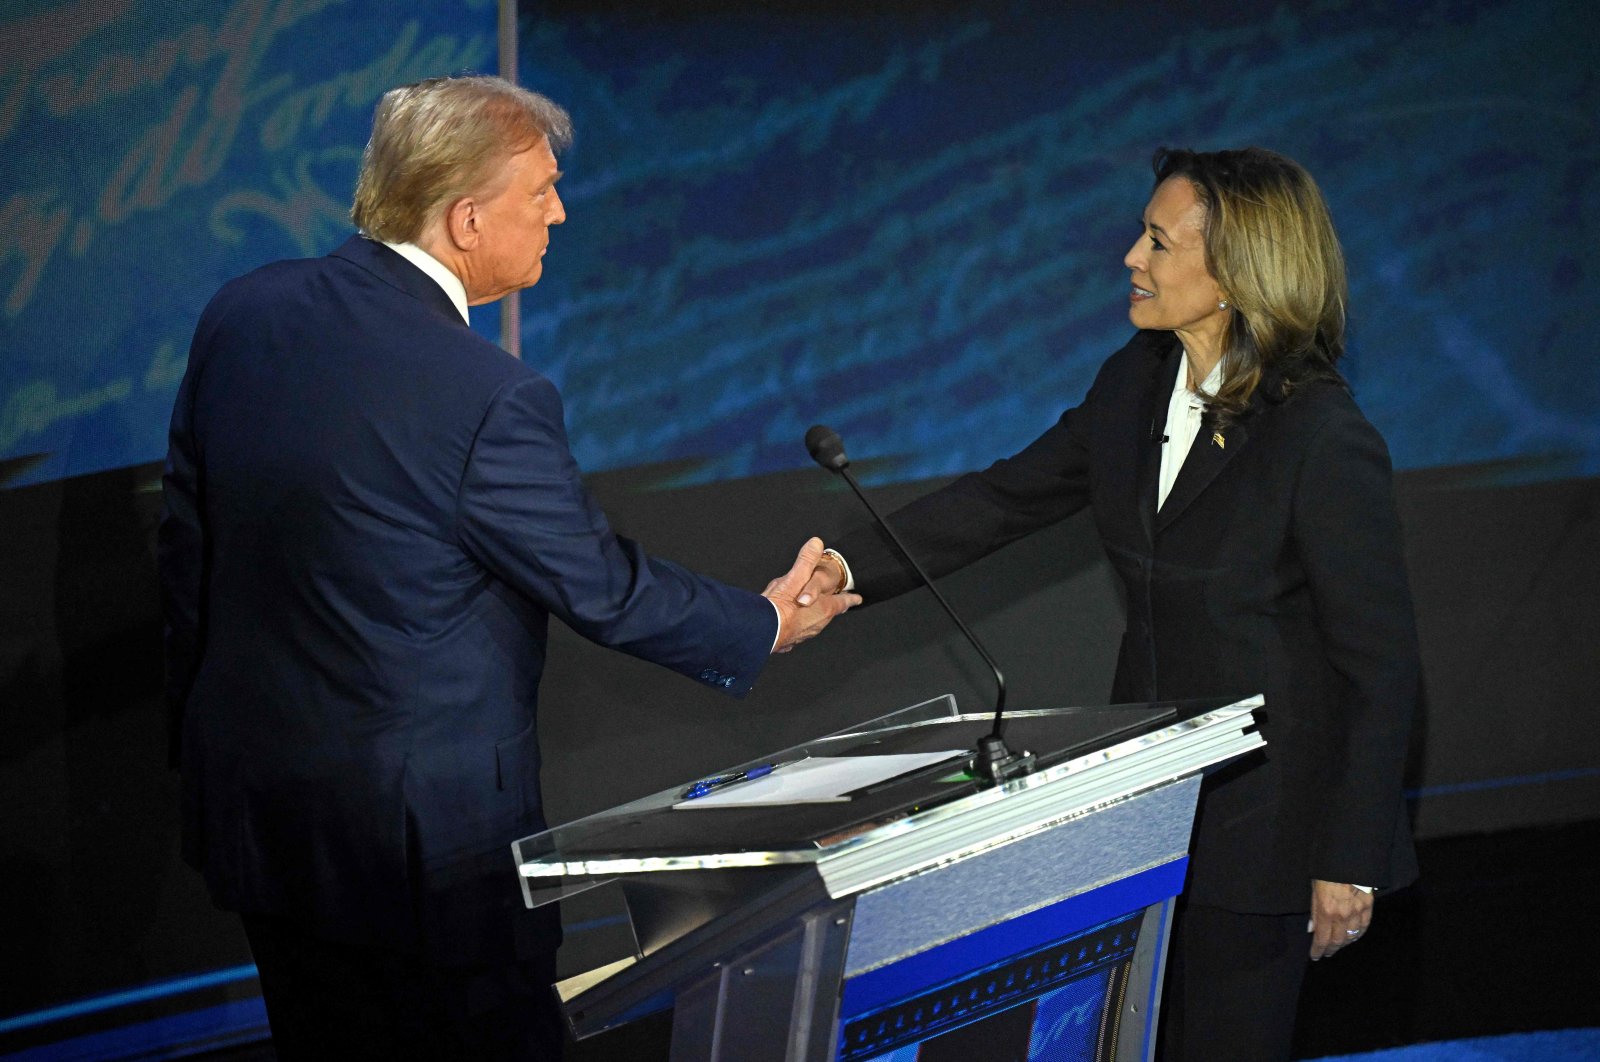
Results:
1275 567
370 514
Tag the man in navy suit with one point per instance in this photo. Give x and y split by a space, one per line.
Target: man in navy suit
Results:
371 512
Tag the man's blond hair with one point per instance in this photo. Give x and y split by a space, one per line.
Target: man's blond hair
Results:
438 140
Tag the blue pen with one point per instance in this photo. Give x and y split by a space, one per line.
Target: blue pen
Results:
711 785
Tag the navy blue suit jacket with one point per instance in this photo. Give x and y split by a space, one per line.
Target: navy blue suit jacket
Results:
371 512
1275 567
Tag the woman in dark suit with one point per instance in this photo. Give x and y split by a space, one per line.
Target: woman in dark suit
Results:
1248 507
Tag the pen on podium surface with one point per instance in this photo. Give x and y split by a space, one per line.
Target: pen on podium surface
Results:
712 784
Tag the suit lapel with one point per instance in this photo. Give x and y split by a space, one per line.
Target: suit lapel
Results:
1154 414
1211 452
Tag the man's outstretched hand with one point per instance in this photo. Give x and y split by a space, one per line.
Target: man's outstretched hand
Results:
797 622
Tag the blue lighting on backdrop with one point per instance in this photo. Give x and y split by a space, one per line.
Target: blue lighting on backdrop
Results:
908 224
911 225
149 151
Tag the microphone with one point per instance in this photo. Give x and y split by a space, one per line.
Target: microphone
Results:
827 450
994 761
1156 434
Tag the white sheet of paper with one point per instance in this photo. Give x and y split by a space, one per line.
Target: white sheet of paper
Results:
819 780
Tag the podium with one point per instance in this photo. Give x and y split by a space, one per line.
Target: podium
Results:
924 915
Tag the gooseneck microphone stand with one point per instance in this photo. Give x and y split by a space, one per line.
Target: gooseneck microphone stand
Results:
994 761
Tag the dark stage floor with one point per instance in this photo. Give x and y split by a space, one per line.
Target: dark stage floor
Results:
1497 938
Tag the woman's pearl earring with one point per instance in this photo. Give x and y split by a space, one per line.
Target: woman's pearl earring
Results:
1223 305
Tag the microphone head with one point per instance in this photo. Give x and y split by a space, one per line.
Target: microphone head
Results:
826 448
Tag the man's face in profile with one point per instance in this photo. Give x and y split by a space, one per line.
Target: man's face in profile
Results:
515 219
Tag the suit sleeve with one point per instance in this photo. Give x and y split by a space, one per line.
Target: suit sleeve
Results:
1347 531
524 514
978 513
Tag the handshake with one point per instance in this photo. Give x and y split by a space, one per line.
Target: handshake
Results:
808 596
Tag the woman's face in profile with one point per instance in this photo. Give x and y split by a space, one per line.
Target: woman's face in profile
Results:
1172 289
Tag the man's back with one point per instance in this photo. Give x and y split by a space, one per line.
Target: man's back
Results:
389 513
350 643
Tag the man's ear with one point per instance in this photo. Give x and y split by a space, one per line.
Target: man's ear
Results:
462 223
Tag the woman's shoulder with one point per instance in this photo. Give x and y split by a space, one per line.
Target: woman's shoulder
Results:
1323 413
1140 357
1143 347
1318 399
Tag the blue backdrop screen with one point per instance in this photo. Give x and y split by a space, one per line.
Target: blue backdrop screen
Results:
149 151
911 225
906 221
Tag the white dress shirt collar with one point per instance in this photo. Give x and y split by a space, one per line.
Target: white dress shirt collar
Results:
437 270
1208 386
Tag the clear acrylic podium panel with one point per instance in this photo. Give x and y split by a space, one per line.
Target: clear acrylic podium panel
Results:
786 932
1116 750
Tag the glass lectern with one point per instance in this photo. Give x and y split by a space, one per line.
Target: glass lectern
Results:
863 897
